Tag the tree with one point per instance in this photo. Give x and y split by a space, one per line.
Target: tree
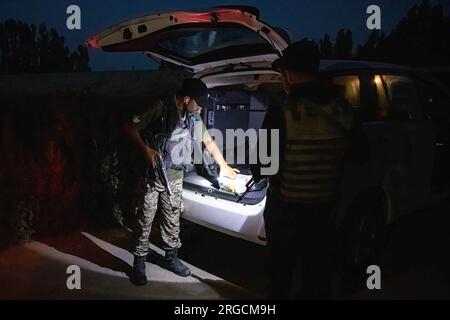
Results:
344 44
326 46
27 49
419 39
368 51
80 59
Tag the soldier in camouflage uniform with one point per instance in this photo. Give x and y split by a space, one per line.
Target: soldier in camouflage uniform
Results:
178 118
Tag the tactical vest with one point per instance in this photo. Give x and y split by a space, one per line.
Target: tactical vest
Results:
311 165
172 131
181 139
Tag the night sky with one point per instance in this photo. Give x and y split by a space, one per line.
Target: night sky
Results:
304 18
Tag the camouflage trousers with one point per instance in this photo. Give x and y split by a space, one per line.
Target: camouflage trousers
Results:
156 197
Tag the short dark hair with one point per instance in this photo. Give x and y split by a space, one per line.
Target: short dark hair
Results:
300 56
196 89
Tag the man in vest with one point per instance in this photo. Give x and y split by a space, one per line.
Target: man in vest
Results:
303 194
177 117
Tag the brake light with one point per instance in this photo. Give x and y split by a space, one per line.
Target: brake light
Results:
92 42
213 16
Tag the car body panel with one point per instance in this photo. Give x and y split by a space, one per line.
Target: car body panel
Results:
403 152
400 167
164 36
236 219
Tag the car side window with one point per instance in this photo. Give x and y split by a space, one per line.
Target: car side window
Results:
351 88
435 103
397 98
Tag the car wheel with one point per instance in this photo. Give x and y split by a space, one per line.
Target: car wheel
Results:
361 239
191 236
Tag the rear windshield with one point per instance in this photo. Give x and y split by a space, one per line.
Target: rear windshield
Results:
190 43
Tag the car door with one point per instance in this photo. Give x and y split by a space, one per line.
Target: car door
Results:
196 40
404 140
436 106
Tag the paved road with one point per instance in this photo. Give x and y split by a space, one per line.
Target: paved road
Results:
414 265
38 270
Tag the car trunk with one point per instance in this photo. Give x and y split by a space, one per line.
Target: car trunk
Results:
231 107
196 40
222 39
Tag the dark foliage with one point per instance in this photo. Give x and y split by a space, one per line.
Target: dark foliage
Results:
64 164
29 49
420 39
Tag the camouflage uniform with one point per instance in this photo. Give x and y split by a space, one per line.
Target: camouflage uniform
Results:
155 196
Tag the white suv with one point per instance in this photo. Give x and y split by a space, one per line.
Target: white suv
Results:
405 114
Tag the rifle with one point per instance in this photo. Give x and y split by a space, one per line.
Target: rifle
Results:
249 185
160 169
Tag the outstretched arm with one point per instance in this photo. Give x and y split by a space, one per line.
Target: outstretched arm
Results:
225 169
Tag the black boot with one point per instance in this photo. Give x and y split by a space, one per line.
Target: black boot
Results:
175 265
138 276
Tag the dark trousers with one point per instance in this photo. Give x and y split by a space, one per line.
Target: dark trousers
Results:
300 251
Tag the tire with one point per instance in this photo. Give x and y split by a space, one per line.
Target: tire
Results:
362 238
191 236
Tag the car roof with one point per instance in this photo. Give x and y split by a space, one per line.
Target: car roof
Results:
329 65
326 65
342 65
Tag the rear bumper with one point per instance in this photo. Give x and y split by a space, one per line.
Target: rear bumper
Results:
236 219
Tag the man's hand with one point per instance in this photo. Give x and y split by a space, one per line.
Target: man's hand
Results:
225 169
150 156
228 172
